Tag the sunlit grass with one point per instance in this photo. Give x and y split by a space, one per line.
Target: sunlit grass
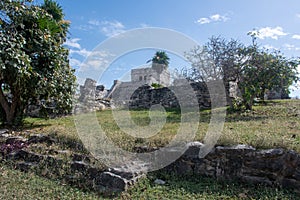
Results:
276 124
199 187
19 185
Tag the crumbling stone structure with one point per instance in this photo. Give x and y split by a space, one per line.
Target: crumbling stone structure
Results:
91 97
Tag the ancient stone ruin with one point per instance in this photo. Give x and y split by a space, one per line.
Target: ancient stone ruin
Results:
273 167
140 93
91 97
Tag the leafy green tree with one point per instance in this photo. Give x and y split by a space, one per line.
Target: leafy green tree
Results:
34 65
264 70
255 69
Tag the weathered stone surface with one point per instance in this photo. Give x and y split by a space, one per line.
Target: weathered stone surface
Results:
79 166
3 131
112 181
91 98
144 149
273 167
40 138
81 157
13 140
25 155
159 182
25 166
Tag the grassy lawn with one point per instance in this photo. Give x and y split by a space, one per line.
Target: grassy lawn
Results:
20 185
15 184
276 124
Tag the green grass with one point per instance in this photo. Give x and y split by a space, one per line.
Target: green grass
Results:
276 124
20 185
199 187
15 184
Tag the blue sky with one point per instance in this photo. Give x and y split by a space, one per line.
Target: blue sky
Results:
94 21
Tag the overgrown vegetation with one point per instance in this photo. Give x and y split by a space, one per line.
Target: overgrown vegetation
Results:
270 125
34 65
256 70
17 185
199 187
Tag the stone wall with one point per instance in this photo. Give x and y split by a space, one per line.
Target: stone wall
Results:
146 96
135 95
272 167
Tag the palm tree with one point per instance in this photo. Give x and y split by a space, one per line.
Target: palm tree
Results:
161 57
54 9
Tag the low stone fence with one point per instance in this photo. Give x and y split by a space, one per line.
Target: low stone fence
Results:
273 167
169 97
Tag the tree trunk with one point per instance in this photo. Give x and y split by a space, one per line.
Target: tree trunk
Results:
249 103
262 95
8 109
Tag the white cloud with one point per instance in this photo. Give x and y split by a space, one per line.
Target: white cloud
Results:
108 28
298 15
269 32
270 47
82 52
95 60
73 43
90 62
94 22
111 28
218 17
212 18
75 63
144 25
203 20
297 37
291 47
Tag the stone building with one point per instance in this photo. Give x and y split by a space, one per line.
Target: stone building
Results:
157 73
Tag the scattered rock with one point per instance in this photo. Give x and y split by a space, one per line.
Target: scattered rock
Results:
79 166
144 149
3 131
40 138
81 157
14 140
25 166
159 182
113 182
273 167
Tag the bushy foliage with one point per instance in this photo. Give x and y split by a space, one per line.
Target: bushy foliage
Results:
256 70
156 85
34 65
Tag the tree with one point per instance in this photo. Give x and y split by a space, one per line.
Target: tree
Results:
255 69
161 57
218 59
34 64
264 70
